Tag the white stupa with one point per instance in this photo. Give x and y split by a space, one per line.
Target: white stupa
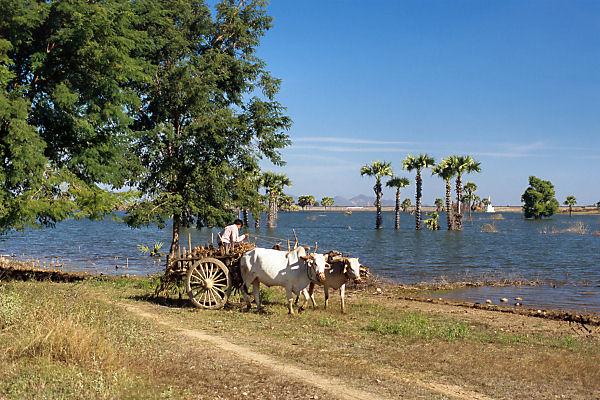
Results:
489 208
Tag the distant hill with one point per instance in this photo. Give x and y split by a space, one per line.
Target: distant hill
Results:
359 201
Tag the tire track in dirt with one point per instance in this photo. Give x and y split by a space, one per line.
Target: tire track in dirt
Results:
335 387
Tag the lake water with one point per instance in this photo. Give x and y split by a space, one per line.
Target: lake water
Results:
567 263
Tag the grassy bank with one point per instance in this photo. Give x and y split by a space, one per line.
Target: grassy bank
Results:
82 340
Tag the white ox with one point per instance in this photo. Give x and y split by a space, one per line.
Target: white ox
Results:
341 270
294 270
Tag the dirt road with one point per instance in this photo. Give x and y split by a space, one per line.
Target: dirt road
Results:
335 387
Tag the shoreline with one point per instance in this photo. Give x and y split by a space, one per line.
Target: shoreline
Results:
583 210
12 270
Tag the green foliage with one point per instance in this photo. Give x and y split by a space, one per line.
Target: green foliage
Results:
398 182
406 204
327 202
417 163
306 201
152 252
570 201
439 205
65 69
208 113
433 223
286 202
539 199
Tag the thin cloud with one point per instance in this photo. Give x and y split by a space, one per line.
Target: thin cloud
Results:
345 140
348 149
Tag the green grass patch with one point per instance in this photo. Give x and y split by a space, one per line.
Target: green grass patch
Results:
418 326
327 322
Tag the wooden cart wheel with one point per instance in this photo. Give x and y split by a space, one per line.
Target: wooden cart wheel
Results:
208 283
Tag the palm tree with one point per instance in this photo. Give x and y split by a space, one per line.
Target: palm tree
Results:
470 189
418 163
398 183
570 201
439 205
445 171
406 204
462 165
274 183
378 169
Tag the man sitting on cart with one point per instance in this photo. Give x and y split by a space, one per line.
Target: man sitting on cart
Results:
231 234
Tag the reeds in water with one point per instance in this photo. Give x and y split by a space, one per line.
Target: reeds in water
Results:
578 228
489 228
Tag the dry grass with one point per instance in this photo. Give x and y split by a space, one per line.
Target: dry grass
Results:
67 342
383 345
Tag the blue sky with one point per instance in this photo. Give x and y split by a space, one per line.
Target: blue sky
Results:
516 84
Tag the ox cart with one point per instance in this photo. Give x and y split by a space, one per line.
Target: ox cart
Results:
208 274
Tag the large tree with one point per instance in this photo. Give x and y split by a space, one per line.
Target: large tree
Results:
65 108
274 184
418 163
378 170
208 110
397 183
539 199
462 165
570 201
445 171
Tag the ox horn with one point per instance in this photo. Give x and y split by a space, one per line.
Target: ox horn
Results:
316 246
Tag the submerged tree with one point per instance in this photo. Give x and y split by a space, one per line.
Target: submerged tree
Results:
274 184
462 165
397 183
418 163
406 205
570 201
433 223
378 170
538 199
207 110
470 196
439 205
445 170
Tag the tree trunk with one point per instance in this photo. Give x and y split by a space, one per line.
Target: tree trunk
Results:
449 204
458 202
378 218
418 201
570 211
174 250
397 209
272 216
256 220
245 216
